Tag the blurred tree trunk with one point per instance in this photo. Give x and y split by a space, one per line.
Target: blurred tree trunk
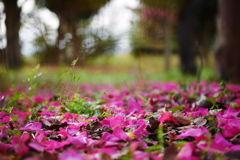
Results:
13 53
70 13
228 52
2 57
196 31
186 35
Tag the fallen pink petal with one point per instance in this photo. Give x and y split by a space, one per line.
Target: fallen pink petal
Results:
34 144
187 152
35 126
70 155
196 133
119 133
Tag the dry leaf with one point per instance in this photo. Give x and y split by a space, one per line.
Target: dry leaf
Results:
153 124
233 154
3 101
200 121
183 120
170 153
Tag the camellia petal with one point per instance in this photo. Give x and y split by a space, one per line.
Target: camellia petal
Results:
186 152
220 143
35 126
73 129
71 155
166 116
141 130
118 132
231 128
109 137
34 144
197 133
52 144
116 121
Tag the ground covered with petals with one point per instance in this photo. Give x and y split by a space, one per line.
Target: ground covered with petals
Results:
150 120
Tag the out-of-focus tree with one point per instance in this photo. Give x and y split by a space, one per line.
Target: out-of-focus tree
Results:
228 51
42 42
161 12
12 55
147 32
94 42
196 31
195 27
70 13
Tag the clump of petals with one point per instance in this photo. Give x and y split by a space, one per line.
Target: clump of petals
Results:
19 145
38 99
4 147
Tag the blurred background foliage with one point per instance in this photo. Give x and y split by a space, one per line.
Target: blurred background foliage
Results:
168 36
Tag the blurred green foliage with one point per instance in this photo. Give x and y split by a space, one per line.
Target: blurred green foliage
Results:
112 70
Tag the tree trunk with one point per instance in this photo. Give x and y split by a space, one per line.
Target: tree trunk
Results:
187 36
2 57
228 51
13 53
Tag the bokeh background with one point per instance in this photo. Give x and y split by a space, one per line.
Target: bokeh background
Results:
116 41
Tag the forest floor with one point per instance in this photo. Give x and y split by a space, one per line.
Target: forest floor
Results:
118 112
